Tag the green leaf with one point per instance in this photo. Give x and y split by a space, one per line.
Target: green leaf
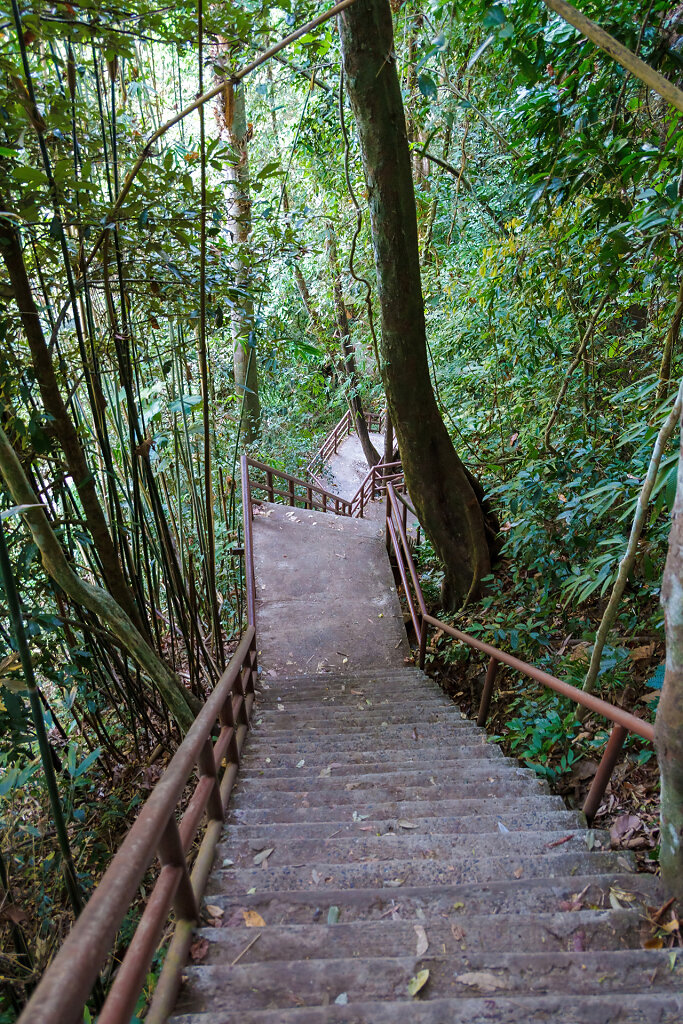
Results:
427 86
87 762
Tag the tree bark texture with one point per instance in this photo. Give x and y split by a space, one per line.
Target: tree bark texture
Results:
669 721
232 118
349 357
444 499
62 425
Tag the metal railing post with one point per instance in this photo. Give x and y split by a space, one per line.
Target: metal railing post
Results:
487 692
423 643
604 772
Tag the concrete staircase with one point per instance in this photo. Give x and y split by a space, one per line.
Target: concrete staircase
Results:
402 842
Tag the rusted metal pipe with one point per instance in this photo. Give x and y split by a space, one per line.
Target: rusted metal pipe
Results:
586 700
487 692
604 772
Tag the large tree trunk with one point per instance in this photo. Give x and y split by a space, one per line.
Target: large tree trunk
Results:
436 479
232 119
344 330
669 723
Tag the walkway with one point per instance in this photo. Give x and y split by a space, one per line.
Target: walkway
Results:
382 863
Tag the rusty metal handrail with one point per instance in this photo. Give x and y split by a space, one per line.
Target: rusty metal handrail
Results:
64 990
375 421
623 722
374 484
316 497
331 443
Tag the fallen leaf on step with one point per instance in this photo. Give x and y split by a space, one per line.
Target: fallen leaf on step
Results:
325 773
213 910
422 940
457 932
342 999
406 824
418 982
263 855
481 979
333 915
518 872
199 949
301 763
253 919
393 883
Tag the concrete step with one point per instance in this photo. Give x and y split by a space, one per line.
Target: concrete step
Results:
558 1009
582 930
409 757
502 785
349 773
403 844
515 897
374 736
333 778
471 805
330 720
396 873
478 824
319 982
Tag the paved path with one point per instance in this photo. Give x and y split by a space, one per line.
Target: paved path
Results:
347 469
325 594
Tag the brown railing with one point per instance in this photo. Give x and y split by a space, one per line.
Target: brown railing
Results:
374 485
64 990
623 722
330 446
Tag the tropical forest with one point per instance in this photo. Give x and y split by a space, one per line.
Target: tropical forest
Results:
237 241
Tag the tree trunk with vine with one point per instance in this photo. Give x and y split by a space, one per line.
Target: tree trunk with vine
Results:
232 119
669 721
349 356
444 499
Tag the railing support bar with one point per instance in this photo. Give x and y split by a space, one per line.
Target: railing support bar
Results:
423 643
604 772
487 692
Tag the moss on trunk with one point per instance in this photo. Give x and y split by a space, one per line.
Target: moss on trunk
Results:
438 483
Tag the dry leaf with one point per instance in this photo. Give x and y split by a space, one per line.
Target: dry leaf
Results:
14 914
263 855
422 940
199 949
482 979
213 910
624 826
457 932
418 982
406 824
518 872
641 653
252 919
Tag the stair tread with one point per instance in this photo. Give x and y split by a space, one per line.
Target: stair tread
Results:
394 873
310 982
